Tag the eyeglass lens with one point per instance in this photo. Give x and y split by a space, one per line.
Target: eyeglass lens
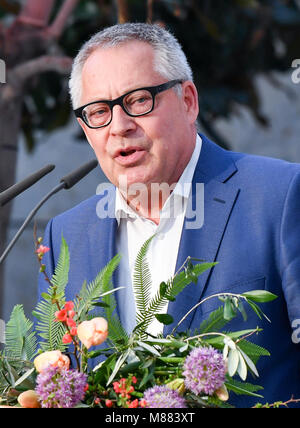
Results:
135 103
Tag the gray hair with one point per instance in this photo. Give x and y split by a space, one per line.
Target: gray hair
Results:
170 60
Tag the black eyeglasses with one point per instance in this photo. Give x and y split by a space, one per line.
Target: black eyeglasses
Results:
135 103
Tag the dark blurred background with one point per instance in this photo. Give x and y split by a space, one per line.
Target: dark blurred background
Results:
241 52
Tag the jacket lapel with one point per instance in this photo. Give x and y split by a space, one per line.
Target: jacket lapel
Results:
102 242
214 169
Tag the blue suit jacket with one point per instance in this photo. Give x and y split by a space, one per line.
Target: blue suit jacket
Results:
251 228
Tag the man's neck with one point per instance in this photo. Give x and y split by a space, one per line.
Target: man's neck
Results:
148 201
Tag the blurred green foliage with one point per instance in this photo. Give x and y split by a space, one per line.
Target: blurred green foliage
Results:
227 43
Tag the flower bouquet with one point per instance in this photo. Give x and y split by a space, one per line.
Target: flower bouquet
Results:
49 364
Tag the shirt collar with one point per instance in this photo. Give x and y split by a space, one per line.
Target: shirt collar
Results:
182 188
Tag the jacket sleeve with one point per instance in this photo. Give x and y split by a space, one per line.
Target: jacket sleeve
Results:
290 251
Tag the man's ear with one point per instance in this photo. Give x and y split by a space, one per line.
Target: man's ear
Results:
190 100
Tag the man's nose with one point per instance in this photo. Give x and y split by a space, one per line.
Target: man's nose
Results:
121 123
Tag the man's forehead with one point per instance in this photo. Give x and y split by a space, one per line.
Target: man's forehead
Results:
120 68
130 49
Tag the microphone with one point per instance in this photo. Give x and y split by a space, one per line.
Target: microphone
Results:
65 183
20 187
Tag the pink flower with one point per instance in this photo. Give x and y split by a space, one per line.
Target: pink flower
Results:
93 332
69 306
67 338
71 322
51 358
71 314
42 249
143 403
108 403
134 404
61 315
73 331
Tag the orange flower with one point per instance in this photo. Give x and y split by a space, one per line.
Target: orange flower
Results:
134 404
69 306
51 358
67 338
93 332
29 400
61 315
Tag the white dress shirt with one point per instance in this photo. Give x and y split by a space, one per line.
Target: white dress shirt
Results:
134 230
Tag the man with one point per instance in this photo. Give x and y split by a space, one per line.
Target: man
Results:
133 95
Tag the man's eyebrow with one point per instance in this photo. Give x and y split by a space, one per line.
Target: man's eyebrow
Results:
123 93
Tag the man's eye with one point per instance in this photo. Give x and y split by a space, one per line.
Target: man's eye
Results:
98 112
141 100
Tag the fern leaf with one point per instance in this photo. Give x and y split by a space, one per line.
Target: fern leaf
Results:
49 329
92 292
157 304
182 279
253 351
61 274
174 286
21 342
117 333
142 282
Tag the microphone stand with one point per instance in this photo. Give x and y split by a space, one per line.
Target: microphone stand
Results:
20 187
29 218
65 183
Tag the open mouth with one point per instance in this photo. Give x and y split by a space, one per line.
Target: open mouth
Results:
127 153
130 156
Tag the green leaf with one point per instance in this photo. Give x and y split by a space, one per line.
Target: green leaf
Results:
101 305
117 333
257 310
46 296
104 368
229 312
21 340
163 288
164 318
242 310
253 350
149 348
260 296
170 298
142 282
61 273
243 388
215 322
25 381
97 289
48 328
181 280
122 358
